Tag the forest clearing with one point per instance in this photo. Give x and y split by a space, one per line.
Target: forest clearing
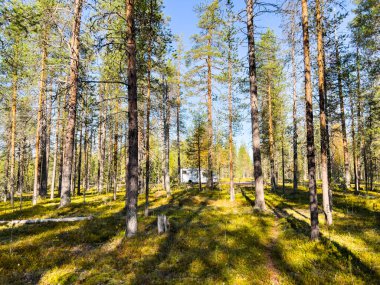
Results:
189 142
211 241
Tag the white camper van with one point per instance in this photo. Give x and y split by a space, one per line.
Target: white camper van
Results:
190 175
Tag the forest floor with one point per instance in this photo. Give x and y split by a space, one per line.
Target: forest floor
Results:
211 241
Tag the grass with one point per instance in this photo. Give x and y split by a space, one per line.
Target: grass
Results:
211 241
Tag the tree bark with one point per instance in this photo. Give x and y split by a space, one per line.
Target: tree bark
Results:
72 106
258 173
11 181
166 108
115 149
37 188
347 176
309 126
354 142
178 120
271 138
294 77
230 130
101 141
322 115
133 145
147 145
210 158
39 221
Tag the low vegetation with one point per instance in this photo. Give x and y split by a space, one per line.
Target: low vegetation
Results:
211 241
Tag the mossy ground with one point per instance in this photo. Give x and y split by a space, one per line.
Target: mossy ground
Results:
211 241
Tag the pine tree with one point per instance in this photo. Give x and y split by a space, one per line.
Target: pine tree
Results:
72 106
206 55
258 173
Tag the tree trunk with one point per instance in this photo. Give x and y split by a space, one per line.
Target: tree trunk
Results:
322 115
294 76
271 138
73 167
72 106
353 136
133 145
360 117
11 181
178 113
210 158
79 167
48 133
283 163
85 149
41 127
230 132
347 178
147 145
6 169
166 142
199 160
309 126
115 149
258 173
21 170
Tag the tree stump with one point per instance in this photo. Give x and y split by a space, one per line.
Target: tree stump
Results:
162 224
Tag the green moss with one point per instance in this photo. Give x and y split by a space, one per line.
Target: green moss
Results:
211 241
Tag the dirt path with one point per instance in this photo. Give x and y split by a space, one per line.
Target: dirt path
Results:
274 273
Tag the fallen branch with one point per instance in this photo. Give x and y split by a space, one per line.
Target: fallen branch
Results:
39 221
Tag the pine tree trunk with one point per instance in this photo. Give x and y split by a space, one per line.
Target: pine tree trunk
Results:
166 108
271 138
133 145
178 121
79 167
115 149
85 149
309 126
322 115
230 132
210 182
199 160
43 154
347 177
6 167
283 163
258 173
294 77
11 181
102 145
72 106
147 144
74 167
48 133
360 117
40 128
353 136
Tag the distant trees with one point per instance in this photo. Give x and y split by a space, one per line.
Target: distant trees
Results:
197 146
206 55
270 82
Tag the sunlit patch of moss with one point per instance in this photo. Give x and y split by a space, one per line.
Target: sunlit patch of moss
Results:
59 275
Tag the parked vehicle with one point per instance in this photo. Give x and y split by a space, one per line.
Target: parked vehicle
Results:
190 175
